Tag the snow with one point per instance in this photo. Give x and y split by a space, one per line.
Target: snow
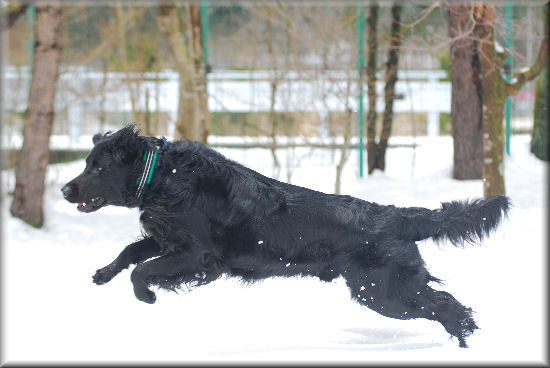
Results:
498 47
52 312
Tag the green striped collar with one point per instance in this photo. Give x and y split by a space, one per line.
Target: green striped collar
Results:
150 158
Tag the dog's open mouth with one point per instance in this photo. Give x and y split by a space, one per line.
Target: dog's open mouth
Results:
92 205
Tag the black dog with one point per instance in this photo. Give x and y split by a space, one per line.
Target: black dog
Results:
204 216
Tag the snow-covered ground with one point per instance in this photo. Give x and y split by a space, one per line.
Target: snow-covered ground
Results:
52 312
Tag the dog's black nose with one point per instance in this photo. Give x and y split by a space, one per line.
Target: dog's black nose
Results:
66 190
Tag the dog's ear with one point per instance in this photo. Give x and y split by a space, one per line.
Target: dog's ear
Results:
96 138
129 132
125 142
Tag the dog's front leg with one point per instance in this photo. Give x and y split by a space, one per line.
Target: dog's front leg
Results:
134 253
144 273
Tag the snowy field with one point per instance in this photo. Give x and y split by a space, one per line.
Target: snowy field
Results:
52 312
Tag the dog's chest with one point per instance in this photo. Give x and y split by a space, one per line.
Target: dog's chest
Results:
154 223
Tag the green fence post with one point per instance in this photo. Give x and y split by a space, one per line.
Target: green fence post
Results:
30 43
508 102
360 66
204 26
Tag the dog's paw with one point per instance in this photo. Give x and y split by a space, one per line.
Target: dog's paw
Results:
145 295
103 275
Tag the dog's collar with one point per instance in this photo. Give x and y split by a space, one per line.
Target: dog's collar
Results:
150 159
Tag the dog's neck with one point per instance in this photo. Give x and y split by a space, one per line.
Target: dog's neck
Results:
150 160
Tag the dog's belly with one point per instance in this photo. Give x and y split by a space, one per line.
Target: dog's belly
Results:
295 242
258 267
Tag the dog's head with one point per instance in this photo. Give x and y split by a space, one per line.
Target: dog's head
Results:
112 168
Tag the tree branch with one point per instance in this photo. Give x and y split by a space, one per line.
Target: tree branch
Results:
423 15
523 77
13 13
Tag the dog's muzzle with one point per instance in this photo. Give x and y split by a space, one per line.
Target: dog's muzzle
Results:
70 191
67 190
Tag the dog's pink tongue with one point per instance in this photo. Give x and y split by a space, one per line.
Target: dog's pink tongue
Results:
80 205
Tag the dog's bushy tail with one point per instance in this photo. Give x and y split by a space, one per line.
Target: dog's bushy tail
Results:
456 221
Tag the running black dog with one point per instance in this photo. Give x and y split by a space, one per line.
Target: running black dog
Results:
204 216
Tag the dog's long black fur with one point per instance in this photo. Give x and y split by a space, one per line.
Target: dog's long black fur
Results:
204 216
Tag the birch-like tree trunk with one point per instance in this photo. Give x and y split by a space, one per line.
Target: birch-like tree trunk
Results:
34 155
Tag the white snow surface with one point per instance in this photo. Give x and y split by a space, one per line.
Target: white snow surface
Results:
53 313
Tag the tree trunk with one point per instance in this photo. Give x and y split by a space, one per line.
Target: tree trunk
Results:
103 95
494 95
493 134
344 149
274 83
176 41
148 130
466 95
495 91
33 159
123 44
389 91
197 55
540 140
185 45
273 133
372 47
344 152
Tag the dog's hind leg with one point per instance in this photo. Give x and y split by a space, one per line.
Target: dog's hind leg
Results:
134 253
444 308
398 288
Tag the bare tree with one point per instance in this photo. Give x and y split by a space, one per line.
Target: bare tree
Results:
34 155
274 84
344 148
329 40
372 47
377 151
466 94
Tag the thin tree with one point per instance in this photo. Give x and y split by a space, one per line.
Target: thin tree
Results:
34 155
372 47
274 84
495 91
466 94
121 14
378 150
